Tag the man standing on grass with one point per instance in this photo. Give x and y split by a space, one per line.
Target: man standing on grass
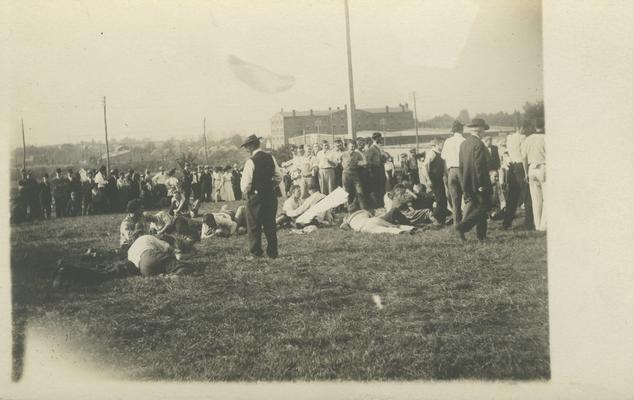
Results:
475 180
260 176
534 159
451 155
375 157
516 180
61 193
326 168
433 178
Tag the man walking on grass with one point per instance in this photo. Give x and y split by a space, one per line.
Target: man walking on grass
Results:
260 176
475 181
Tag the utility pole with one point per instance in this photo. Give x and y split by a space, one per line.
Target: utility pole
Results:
332 129
415 120
105 124
23 147
352 127
205 140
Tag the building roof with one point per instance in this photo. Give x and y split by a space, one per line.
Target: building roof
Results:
373 110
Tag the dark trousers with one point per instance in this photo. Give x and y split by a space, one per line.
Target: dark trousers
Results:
356 193
412 174
338 176
518 193
455 194
260 212
438 187
475 214
396 217
46 208
61 203
377 183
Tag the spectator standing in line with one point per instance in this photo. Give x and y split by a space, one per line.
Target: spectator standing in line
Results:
45 196
451 155
326 169
516 180
61 193
375 158
235 182
534 159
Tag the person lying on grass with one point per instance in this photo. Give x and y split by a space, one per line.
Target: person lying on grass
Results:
406 201
148 256
393 222
223 223
134 224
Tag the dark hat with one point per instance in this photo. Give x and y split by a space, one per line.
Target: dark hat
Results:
457 127
478 123
527 127
376 135
251 139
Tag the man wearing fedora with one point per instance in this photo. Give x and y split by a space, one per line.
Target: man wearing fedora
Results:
476 183
260 176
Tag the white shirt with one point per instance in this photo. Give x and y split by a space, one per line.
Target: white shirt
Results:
534 149
451 150
514 143
291 205
143 243
247 174
100 180
324 159
160 178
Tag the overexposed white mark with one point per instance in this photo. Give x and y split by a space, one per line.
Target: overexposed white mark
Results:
259 78
377 301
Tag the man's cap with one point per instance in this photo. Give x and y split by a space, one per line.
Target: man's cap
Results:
376 135
250 140
457 127
478 123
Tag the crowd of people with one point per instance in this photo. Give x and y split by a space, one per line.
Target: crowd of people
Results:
73 193
464 181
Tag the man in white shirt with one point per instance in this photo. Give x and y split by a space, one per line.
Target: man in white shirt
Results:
260 176
451 155
517 188
326 164
314 198
534 160
293 202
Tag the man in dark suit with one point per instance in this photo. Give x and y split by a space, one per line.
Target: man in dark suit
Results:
476 183
260 176
494 155
375 158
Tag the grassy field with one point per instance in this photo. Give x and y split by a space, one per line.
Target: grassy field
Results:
451 310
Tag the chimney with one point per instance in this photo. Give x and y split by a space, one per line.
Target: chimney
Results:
407 106
311 111
293 113
402 107
387 109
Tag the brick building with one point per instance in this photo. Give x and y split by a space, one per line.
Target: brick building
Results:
286 125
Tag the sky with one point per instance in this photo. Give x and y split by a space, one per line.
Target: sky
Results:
164 66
